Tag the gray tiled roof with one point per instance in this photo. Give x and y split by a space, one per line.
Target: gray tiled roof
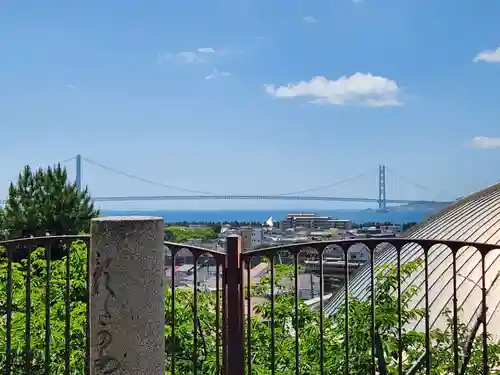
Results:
475 218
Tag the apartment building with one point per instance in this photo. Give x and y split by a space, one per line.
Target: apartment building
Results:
313 221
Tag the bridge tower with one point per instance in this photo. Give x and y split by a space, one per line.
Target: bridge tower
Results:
382 200
78 171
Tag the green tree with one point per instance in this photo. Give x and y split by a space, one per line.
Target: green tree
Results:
216 228
45 201
181 234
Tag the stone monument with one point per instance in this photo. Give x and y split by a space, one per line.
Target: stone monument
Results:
126 296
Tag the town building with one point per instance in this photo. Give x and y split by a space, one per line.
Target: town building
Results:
313 221
341 224
257 237
246 237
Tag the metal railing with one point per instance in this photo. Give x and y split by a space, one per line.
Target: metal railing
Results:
225 315
30 290
418 260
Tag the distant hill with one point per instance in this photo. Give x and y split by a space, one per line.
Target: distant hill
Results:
416 207
420 207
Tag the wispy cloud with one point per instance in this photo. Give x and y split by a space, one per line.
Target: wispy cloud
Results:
206 50
490 56
357 1
71 87
484 142
309 19
359 88
200 55
216 73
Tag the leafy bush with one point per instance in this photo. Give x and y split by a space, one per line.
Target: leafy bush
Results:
204 359
182 234
78 261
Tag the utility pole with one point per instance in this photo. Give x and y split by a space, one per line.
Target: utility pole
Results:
79 171
382 201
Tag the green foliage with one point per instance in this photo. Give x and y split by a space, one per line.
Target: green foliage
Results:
285 325
182 234
78 264
45 202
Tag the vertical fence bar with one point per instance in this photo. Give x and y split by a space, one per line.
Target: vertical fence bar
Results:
195 315
8 329
27 333
321 315
400 317
483 313
224 318
346 300
296 320
372 303
249 317
173 253
242 308
455 314
217 318
87 312
235 338
67 305
48 255
273 333
427 317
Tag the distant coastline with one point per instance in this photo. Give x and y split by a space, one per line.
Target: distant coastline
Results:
420 207
399 216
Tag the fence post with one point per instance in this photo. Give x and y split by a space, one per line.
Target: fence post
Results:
127 333
234 313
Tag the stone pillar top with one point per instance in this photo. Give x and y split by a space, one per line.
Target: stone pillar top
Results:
127 218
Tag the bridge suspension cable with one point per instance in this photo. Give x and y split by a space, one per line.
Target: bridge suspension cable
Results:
414 183
409 180
66 160
145 180
322 187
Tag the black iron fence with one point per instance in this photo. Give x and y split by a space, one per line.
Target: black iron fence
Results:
415 306
37 302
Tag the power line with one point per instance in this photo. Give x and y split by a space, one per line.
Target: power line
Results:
297 192
109 169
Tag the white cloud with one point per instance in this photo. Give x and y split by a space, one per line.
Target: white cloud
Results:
206 50
365 89
485 142
309 19
188 57
357 1
490 56
216 73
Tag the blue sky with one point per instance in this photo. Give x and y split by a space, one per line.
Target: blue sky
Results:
221 96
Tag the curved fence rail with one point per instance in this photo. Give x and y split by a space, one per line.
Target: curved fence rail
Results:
365 306
194 327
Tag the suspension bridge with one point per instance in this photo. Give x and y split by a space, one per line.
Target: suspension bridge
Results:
184 194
